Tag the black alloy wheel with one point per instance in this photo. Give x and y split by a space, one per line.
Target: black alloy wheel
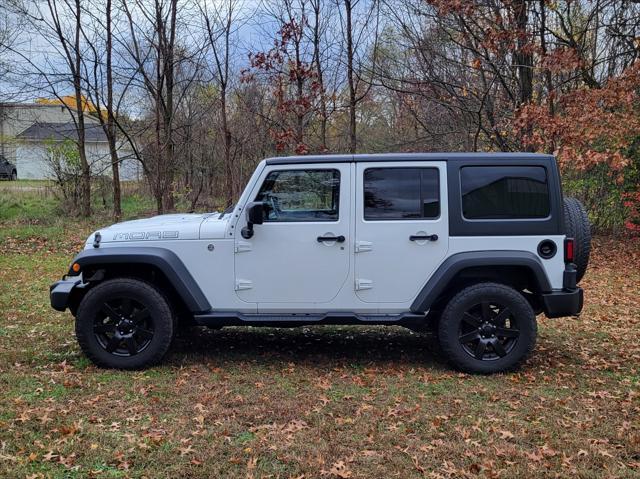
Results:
487 328
488 331
125 323
124 326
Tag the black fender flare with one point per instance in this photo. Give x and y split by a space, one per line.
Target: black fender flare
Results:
455 263
163 259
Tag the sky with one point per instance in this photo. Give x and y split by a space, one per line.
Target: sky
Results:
31 51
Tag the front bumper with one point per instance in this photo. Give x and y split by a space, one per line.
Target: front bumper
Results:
60 291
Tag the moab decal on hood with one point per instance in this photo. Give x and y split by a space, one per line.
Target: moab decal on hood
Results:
146 235
158 228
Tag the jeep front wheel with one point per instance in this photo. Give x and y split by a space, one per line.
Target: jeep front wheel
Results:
487 328
124 323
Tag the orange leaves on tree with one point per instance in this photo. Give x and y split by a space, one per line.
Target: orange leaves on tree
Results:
589 126
293 84
561 60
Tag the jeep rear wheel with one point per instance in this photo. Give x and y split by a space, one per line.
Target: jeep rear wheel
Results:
125 324
487 328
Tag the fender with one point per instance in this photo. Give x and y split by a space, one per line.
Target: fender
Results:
163 259
449 268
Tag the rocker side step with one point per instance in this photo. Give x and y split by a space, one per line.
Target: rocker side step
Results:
292 320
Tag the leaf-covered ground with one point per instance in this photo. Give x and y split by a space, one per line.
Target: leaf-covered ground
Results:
330 402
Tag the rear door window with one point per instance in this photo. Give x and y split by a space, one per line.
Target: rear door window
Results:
401 193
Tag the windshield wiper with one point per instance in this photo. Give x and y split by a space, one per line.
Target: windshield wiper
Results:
228 210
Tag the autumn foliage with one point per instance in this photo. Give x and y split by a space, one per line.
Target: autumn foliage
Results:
337 76
591 128
292 83
552 77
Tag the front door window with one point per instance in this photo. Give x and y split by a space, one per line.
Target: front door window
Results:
301 195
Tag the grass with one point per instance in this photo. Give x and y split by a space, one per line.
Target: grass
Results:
25 201
30 211
22 184
330 402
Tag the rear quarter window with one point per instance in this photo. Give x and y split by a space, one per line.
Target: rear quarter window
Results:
504 192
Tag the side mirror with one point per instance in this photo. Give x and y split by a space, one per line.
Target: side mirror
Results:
255 216
255 213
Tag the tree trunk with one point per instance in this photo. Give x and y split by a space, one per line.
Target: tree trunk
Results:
352 89
157 192
522 58
229 187
299 92
111 126
226 134
85 202
543 47
169 75
159 172
320 73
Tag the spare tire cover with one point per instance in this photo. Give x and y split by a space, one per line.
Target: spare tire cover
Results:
577 226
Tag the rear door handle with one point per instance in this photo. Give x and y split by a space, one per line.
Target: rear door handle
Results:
339 239
423 238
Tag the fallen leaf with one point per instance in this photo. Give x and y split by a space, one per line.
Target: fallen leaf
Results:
340 469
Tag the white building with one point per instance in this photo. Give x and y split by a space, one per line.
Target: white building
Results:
29 132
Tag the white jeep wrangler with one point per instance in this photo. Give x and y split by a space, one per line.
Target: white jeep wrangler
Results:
471 246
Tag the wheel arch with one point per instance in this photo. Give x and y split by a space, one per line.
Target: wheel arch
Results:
519 269
158 266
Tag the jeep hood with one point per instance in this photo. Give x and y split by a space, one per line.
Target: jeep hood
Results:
161 228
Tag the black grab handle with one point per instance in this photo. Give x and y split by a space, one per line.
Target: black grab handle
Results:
423 237
339 239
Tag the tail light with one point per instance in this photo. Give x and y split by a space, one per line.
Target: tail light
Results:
569 250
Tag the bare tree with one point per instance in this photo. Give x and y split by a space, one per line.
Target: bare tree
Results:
361 46
11 22
158 61
221 22
59 23
100 86
318 60
110 126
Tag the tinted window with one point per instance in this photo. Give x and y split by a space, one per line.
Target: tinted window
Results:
504 192
401 193
301 195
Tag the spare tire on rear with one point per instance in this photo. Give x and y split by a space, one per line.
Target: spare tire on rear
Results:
577 226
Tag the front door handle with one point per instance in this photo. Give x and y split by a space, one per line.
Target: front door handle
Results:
339 239
423 238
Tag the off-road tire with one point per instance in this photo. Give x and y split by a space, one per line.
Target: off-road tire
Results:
160 313
577 226
452 318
